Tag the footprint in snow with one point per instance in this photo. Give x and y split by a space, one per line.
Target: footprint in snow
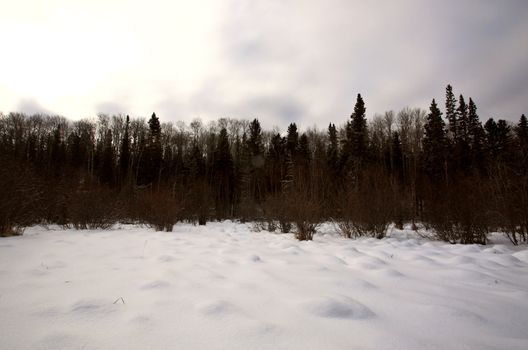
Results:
342 308
166 258
254 258
155 285
216 308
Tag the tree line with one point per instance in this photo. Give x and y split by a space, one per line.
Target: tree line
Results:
447 171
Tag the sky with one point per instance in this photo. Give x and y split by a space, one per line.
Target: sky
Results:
280 61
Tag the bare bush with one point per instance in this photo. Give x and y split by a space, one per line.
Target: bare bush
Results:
275 210
265 224
509 203
305 212
459 214
92 209
20 198
369 209
161 210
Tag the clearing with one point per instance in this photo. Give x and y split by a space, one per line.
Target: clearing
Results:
224 286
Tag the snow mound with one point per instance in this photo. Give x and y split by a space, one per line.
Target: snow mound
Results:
343 307
217 308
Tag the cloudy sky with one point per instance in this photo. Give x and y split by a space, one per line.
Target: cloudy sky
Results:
278 60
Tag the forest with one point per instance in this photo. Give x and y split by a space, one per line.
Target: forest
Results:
445 171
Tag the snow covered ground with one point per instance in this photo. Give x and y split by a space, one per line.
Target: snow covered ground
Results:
225 287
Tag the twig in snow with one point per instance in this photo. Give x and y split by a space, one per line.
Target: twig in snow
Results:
120 298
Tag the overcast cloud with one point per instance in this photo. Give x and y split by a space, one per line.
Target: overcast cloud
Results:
280 61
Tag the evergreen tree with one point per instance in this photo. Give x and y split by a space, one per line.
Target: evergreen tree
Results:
107 162
303 161
256 171
504 138
459 154
434 144
358 127
332 154
292 140
397 157
255 139
491 138
276 159
223 176
476 137
198 192
462 121
451 113
521 132
151 162
124 154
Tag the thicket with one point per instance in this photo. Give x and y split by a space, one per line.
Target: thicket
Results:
446 170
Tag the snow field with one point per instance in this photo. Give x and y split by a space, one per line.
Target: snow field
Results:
224 286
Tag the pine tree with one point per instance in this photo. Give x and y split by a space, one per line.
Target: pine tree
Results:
397 157
124 157
276 159
434 144
150 167
476 137
491 138
255 148
462 121
504 137
198 194
303 161
223 176
358 137
451 113
521 132
107 163
292 140
332 154
255 138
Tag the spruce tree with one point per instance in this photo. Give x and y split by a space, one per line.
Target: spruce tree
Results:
303 161
223 176
434 144
107 163
397 157
332 153
451 113
359 136
477 138
151 158
255 139
276 159
521 132
124 157
462 121
292 140
256 169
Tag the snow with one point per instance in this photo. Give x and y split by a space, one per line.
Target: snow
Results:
224 286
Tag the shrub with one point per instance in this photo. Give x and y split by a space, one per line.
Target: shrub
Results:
160 210
20 197
305 212
367 210
92 209
276 214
